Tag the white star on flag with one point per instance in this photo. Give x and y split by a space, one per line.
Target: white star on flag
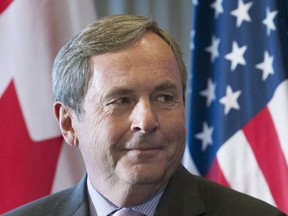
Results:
209 93
217 5
236 56
266 66
195 2
230 100
205 136
241 13
213 49
268 21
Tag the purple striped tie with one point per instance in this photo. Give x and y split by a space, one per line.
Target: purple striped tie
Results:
127 212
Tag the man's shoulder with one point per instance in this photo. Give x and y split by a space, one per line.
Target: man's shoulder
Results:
66 202
217 199
42 205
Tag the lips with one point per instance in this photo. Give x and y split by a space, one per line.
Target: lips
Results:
143 153
144 145
144 148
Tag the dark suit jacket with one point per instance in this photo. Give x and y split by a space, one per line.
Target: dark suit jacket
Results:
185 195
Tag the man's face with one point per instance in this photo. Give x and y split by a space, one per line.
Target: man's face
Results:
133 127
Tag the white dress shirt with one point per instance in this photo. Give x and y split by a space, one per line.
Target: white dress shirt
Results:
100 206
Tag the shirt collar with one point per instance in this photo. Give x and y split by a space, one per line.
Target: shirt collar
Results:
104 207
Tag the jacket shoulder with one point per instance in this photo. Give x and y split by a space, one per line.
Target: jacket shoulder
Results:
41 206
226 201
67 202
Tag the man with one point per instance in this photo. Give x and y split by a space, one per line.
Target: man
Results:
119 89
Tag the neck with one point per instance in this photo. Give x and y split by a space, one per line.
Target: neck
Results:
126 195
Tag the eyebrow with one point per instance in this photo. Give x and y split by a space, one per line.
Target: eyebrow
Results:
165 86
118 91
123 91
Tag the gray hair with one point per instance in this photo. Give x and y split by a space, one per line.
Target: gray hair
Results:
72 72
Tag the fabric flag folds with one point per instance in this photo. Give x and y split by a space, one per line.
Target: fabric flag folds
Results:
238 96
33 161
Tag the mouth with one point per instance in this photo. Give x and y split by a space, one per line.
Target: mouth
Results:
144 152
144 147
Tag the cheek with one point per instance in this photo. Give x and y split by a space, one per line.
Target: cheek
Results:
91 132
98 139
174 123
178 138
103 133
175 132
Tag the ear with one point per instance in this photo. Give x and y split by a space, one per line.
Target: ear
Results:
66 120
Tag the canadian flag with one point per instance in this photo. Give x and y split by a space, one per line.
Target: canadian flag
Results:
33 161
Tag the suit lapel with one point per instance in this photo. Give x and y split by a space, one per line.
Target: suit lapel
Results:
75 202
181 196
79 198
83 210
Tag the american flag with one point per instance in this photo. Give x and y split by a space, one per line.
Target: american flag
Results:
238 96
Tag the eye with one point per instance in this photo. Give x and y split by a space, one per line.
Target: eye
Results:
122 101
165 98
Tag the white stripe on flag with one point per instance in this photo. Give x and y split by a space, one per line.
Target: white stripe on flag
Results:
188 162
278 108
245 176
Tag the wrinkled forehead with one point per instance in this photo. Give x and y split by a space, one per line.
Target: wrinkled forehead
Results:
148 61
147 52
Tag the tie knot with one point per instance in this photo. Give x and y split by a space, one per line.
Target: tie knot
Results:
127 212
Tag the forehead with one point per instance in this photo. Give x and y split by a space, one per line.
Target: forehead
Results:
149 49
148 59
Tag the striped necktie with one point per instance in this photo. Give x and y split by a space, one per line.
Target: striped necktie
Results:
127 212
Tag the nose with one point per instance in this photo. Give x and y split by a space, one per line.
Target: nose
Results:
143 118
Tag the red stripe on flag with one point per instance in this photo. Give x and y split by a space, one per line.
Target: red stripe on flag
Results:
262 136
31 163
4 4
215 174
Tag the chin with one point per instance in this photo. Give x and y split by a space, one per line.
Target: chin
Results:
143 174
